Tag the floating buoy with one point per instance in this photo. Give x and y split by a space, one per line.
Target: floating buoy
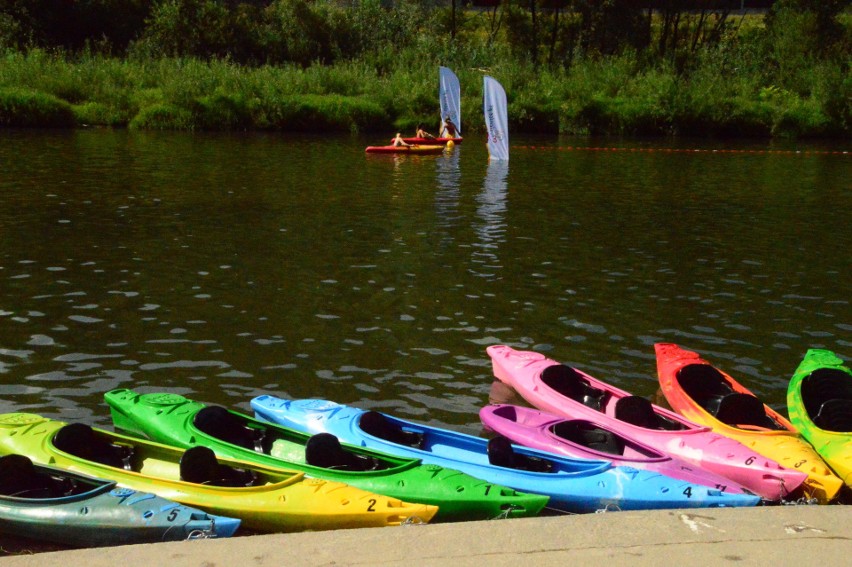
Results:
450 144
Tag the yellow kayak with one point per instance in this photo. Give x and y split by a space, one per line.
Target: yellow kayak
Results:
264 498
703 394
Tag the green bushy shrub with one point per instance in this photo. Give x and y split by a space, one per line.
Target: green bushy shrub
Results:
163 117
19 107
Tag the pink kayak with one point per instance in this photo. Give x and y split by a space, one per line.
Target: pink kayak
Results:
570 393
587 439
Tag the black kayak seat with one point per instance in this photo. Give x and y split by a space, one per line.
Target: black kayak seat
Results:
19 478
639 411
225 426
589 435
377 425
822 385
82 441
571 384
324 450
704 384
198 465
636 410
501 454
835 415
744 409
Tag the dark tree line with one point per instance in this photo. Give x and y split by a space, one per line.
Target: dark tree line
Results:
549 32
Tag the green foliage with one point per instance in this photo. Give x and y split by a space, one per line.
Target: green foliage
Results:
194 28
12 33
162 117
222 111
98 113
19 107
312 113
326 65
299 32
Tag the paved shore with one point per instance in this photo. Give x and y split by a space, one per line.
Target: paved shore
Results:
781 535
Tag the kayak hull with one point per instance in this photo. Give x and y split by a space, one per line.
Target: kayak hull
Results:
821 391
275 500
656 427
774 437
573 485
175 420
589 439
416 149
47 507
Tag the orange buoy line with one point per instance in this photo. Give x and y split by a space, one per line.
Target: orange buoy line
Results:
683 150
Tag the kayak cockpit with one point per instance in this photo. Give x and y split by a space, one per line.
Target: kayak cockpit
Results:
827 397
325 451
378 425
709 389
19 478
572 384
223 425
198 465
80 440
501 454
639 411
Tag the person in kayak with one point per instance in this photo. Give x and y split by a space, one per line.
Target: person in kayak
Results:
398 141
421 133
448 128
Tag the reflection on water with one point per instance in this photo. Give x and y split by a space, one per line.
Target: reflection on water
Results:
226 266
448 194
501 393
491 226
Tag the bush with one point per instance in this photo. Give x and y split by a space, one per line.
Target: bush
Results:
34 109
98 114
312 113
163 117
221 111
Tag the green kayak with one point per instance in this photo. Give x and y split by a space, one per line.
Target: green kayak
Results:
819 401
176 420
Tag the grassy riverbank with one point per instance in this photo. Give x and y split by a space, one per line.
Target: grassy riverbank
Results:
751 81
611 96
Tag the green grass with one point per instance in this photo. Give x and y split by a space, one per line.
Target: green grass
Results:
21 107
613 95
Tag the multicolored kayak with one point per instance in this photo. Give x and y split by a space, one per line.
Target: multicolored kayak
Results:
569 392
819 400
702 393
45 503
174 420
264 498
573 485
588 439
416 149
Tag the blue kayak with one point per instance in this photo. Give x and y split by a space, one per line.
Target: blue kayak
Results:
574 485
54 505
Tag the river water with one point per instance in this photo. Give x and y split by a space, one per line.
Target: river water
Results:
225 266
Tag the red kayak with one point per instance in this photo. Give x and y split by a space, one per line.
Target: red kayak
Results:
415 149
432 140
